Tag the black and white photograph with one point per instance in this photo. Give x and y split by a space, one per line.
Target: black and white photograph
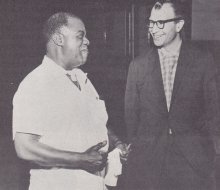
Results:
110 95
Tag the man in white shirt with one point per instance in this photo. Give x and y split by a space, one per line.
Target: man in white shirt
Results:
59 122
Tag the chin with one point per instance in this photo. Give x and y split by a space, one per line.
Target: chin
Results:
159 41
158 44
82 62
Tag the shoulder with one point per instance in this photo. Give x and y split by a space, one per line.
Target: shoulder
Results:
201 58
146 57
199 55
142 65
144 60
197 50
34 77
32 83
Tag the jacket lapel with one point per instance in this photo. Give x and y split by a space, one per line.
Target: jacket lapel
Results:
184 59
157 77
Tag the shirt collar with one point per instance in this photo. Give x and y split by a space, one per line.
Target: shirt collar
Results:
53 66
165 53
57 70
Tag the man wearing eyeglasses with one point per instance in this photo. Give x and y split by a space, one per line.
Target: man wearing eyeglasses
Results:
171 109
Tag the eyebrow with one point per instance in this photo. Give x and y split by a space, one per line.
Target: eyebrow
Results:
81 32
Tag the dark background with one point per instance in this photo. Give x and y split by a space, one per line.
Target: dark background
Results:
117 32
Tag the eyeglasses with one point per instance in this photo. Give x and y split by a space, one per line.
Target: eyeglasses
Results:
161 23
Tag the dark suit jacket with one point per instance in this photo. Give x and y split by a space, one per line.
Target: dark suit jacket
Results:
193 115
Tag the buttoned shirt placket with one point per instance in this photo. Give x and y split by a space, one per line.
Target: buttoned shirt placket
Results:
168 63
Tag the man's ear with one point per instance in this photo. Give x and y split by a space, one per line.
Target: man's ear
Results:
58 39
179 25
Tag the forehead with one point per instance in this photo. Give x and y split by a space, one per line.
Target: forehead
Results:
74 25
165 12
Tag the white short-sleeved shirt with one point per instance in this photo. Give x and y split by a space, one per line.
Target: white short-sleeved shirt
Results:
48 104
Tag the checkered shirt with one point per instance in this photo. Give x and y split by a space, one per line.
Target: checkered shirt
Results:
168 64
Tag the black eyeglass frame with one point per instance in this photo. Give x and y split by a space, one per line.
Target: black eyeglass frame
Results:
162 22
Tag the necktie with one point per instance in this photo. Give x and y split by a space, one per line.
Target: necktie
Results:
75 82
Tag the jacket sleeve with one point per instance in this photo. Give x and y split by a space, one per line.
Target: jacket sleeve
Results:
212 102
132 103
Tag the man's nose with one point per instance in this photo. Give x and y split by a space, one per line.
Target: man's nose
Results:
154 29
86 41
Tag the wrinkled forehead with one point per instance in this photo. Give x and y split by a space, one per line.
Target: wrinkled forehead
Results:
163 13
74 25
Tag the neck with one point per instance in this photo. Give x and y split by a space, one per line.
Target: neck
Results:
56 56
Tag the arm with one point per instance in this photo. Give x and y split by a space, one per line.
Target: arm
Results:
115 142
29 148
212 102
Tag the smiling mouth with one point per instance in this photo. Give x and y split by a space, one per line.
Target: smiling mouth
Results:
157 37
85 50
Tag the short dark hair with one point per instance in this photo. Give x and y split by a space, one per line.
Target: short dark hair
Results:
178 6
55 22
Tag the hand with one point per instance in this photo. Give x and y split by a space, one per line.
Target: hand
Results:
93 159
125 150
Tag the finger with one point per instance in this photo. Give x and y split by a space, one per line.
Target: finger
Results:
125 155
104 143
99 146
103 154
124 159
105 157
101 166
101 159
129 147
